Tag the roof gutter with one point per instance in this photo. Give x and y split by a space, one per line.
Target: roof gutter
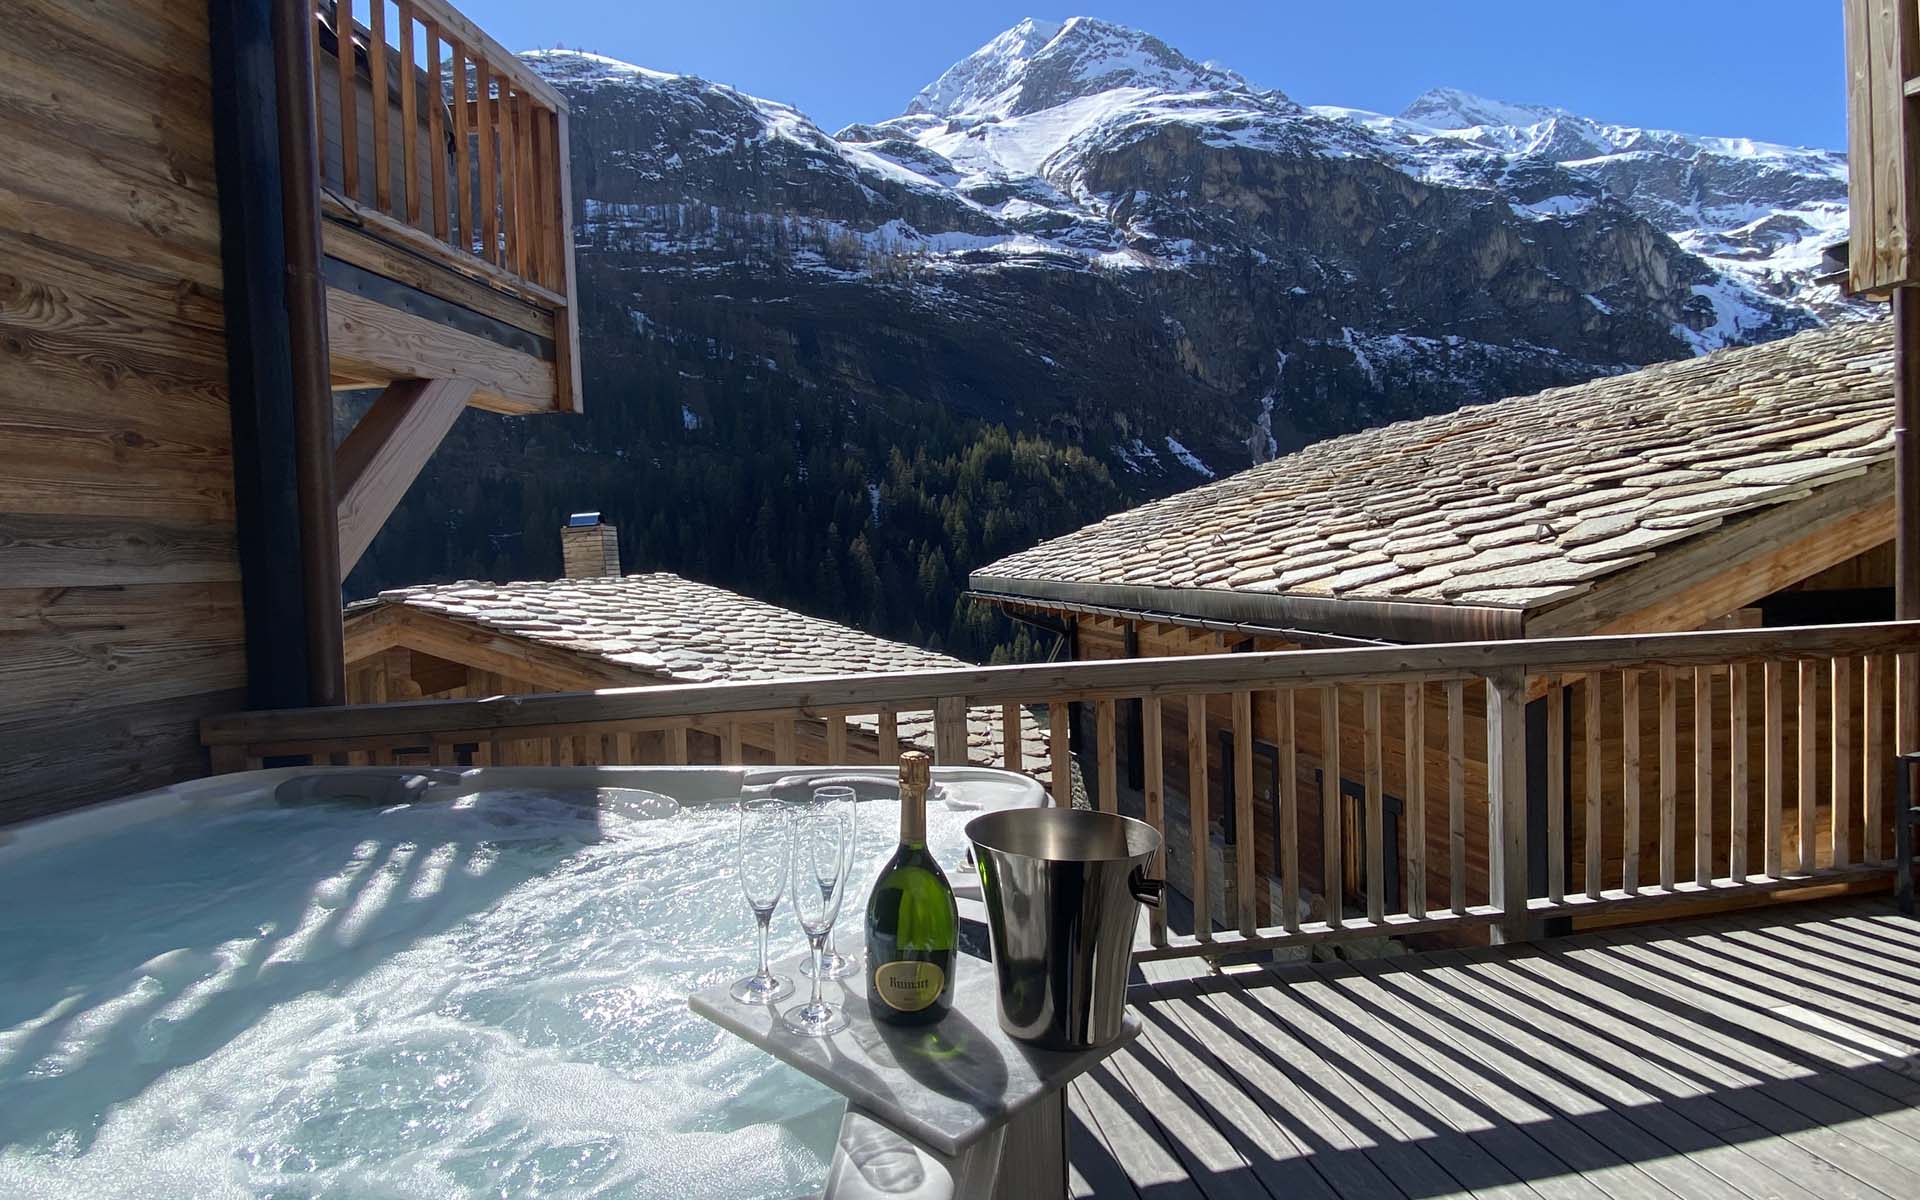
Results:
1398 621
1153 616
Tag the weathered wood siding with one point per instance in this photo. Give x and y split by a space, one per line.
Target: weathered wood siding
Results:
120 621
1883 43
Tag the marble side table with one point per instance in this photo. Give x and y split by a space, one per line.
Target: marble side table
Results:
953 1111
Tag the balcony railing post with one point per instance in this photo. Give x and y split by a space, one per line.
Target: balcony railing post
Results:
1507 881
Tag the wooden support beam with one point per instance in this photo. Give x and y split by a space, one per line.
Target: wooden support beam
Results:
380 459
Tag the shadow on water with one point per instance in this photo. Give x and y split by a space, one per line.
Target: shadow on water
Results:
155 947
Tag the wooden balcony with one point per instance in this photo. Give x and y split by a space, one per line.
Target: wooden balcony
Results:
1659 771
1729 783
447 227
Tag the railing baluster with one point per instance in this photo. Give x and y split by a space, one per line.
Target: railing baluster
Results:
1011 750
1457 795
1906 703
1060 754
1841 807
486 120
546 203
950 731
409 116
1703 775
506 112
1244 842
1669 777
1287 794
1773 766
1507 841
1376 808
436 135
1197 834
1809 798
1739 784
1104 742
1330 833
1556 701
349 110
377 73
528 232
1630 781
320 67
1413 698
462 149
836 739
889 737
1154 795
1595 749
1873 769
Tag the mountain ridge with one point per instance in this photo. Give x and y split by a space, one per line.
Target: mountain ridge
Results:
839 370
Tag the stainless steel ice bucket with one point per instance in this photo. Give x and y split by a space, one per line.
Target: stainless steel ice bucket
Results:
1063 890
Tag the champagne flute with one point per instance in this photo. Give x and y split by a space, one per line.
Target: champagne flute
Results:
834 964
821 838
761 855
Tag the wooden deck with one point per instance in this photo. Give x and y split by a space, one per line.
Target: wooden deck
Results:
1763 1054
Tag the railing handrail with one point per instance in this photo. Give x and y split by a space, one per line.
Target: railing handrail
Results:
1110 679
456 24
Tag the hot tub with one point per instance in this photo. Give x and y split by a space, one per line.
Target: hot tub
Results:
409 983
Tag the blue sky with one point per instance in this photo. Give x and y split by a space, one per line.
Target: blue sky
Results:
1767 69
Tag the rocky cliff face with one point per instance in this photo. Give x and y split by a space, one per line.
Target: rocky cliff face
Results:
1086 237
1081 231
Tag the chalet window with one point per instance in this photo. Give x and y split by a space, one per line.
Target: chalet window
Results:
1266 775
1353 842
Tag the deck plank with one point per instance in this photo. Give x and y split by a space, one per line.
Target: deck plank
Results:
1576 1052
1427 1076
1764 1054
1568 1120
1301 1128
1479 1170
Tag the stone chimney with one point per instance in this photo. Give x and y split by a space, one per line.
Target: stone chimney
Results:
589 547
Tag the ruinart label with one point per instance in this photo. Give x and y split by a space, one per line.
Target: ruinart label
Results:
908 986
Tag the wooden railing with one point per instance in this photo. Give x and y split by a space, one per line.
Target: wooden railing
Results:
448 144
1776 778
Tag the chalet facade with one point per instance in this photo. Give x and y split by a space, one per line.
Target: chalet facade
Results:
213 216
1749 488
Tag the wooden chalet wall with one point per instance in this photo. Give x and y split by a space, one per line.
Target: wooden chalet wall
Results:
120 612
1883 157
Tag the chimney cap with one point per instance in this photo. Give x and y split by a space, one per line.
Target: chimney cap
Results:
582 520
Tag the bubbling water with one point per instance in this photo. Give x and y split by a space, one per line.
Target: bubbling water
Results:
484 996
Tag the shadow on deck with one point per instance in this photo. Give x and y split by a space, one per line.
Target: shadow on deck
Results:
1763 1054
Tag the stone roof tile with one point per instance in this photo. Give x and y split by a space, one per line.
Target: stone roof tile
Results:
1583 481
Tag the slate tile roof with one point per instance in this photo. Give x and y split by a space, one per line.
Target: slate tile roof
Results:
668 629
1519 503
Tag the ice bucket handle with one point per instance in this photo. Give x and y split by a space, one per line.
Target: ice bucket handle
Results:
1145 888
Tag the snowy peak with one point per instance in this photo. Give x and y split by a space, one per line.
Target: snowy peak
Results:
1451 108
986 73
1037 65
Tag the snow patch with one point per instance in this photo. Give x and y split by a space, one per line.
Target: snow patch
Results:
1188 459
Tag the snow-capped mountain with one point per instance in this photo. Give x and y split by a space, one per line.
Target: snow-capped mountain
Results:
1080 230
1145 270
1759 212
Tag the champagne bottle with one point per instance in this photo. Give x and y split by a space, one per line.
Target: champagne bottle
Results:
913 927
